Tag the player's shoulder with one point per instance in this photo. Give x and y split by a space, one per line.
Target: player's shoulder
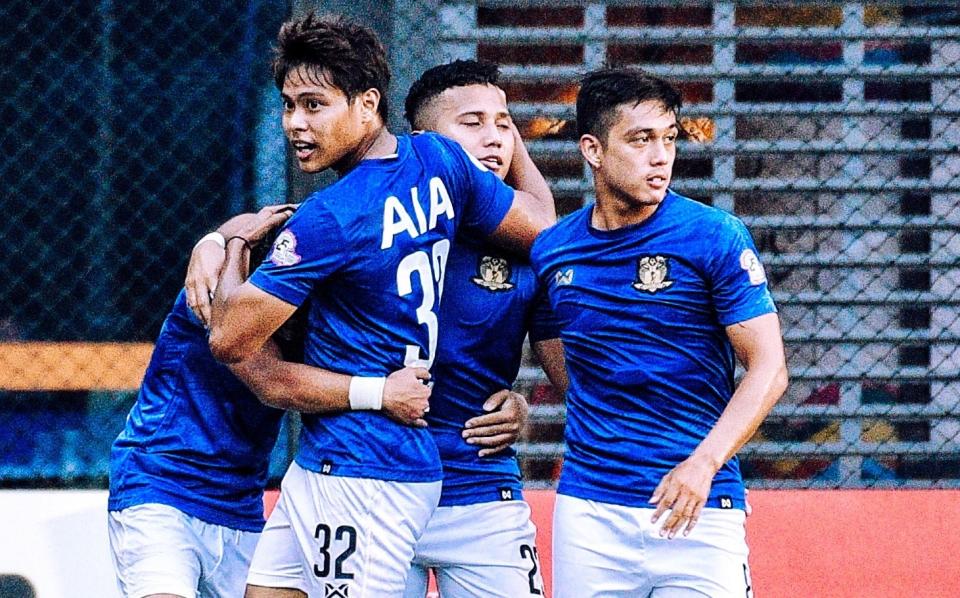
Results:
432 145
699 216
437 148
562 233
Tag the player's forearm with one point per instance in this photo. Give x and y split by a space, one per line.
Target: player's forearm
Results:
227 342
757 393
525 176
523 222
235 225
549 353
293 386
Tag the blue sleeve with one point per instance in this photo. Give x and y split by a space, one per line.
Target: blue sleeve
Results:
543 322
308 250
740 289
486 199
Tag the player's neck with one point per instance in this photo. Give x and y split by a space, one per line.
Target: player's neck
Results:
613 211
379 143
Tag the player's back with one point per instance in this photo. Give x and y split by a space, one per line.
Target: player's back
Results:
371 252
196 439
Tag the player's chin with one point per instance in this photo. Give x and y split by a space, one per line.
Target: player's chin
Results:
649 197
313 165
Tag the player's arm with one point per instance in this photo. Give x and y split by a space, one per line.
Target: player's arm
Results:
243 316
500 427
207 257
403 395
525 176
549 353
759 346
507 411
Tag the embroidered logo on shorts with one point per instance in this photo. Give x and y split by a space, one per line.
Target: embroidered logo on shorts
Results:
336 590
326 467
751 263
726 502
285 250
493 273
506 493
652 272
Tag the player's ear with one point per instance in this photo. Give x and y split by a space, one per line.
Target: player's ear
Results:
369 102
592 150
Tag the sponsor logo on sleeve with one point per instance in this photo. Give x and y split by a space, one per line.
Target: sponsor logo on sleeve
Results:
285 250
652 273
751 263
493 273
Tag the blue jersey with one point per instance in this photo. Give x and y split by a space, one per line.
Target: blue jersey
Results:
491 303
371 251
642 312
196 439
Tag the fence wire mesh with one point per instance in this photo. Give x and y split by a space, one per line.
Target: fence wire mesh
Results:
831 128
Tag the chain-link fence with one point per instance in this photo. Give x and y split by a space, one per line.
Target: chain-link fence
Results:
832 130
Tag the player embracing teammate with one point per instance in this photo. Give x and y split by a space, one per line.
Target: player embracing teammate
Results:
653 416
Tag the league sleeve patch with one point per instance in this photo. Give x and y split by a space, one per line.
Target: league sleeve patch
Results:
285 250
751 263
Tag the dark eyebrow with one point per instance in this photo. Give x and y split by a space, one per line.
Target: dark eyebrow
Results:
636 131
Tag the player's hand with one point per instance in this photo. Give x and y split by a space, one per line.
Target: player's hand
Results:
501 426
683 492
748 508
203 273
265 221
406 396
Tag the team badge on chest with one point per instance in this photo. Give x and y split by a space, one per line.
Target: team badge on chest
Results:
493 273
652 272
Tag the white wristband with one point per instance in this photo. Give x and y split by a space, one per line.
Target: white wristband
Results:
366 393
215 237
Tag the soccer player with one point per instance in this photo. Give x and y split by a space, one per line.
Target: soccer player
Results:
480 540
187 473
656 295
370 253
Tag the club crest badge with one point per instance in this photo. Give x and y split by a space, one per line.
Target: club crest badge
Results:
652 272
285 250
493 273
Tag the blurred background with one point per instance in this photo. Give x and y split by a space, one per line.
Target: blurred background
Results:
130 128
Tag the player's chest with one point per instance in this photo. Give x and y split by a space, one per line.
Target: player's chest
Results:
486 285
593 290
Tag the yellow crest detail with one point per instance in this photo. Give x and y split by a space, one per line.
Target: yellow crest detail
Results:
652 274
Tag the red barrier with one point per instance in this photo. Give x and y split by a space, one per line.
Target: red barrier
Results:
855 543
836 543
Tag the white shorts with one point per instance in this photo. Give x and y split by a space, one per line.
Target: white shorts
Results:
483 550
608 550
158 549
340 536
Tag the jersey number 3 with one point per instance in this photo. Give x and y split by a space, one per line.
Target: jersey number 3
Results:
430 269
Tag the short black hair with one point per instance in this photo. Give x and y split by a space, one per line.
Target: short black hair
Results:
438 79
335 50
603 90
